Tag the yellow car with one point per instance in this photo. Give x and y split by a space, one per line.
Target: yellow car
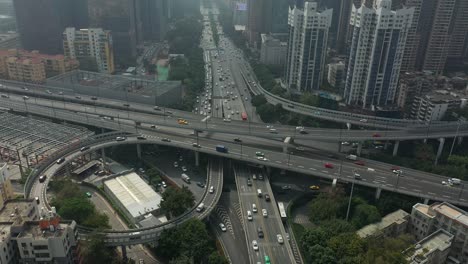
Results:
314 187
182 121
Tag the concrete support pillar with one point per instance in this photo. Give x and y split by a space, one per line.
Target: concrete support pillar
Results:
197 158
395 148
385 147
138 146
339 146
359 148
425 141
426 200
124 253
268 169
103 156
378 192
460 140
439 150
103 130
283 172
285 148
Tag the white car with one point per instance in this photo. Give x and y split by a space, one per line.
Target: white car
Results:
279 237
254 208
249 216
255 245
264 212
363 120
262 158
223 228
184 169
164 185
211 189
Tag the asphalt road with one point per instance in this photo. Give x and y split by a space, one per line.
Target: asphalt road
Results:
271 224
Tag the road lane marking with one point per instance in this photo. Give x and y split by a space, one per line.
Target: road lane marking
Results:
324 171
300 166
416 190
312 169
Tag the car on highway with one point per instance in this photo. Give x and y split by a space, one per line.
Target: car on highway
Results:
60 161
357 176
273 131
255 245
165 140
42 178
184 169
237 140
176 164
196 145
78 97
286 187
314 187
360 163
127 105
267 260
163 184
397 171
363 120
260 232
93 98
222 227
88 194
5 96
328 165
303 132
262 158
211 189
157 108
84 149
120 138
345 143
279 238
376 135
249 182
201 184
249 215
141 138
264 212
26 97
267 198
259 154
254 208
37 199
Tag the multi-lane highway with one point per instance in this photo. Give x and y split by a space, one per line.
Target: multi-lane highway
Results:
263 229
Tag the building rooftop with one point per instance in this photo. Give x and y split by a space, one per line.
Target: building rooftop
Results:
14 211
396 217
445 95
34 231
423 208
451 212
135 194
439 240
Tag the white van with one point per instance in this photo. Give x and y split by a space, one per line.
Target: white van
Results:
254 208
249 216
259 192
370 169
200 207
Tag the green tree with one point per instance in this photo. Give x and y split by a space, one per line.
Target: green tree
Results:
181 260
258 100
267 113
365 214
309 99
346 245
76 208
318 254
97 220
424 152
94 250
176 202
216 258
336 226
314 236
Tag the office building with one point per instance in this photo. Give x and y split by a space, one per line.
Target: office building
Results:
93 44
153 20
336 74
377 45
239 15
391 225
459 34
433 249
41 23
434 105
9 41
122 18
259 20
273 50
32 66
426 219
307 46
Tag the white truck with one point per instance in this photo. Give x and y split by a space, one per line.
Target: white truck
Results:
454 181
185 178
351 157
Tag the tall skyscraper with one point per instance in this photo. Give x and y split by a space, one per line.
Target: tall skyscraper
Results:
153 19
377 46
41 23
90 44
459 32
340 22
307 46
122 18
258 20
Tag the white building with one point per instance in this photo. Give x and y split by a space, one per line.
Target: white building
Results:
433 249
433 106
426 219
90 43
133 195
376 51
307 46
336 74
272 51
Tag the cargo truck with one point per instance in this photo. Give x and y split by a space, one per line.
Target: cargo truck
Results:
351 157
185 178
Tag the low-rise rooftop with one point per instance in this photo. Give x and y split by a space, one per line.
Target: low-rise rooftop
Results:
440 240
396 217
14 211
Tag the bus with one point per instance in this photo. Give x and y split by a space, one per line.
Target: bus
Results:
244 116
282 211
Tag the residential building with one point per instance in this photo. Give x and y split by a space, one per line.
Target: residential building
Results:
434 105
433 249
272 51
279 16
6 8
307 45
336 74
425 219
259 20
459 34
47 242
240 13
391 225
9 41
122 18
92 43
6 189
153 20
412 84
376 50
41 23
32 66
340 22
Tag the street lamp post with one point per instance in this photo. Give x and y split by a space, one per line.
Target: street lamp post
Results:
349 202
289 157
455 138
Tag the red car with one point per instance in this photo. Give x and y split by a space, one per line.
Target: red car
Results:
395 168
360 162
376 135
328 165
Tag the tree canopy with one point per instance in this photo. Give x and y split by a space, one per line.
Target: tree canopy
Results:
176 201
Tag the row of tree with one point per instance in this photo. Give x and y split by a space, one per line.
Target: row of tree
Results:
71 203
